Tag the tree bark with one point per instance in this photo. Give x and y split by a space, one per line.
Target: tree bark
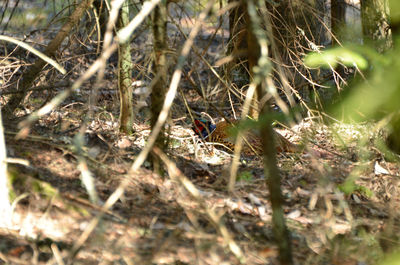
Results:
273 179
238 67
338 19
125 76
160 71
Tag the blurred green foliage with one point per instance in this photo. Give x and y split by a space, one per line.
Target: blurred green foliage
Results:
379 93
245 176
349 187
374 97
393 259
332 57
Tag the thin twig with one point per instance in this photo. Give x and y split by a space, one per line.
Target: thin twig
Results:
38 88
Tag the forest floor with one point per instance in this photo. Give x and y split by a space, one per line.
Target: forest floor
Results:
340 206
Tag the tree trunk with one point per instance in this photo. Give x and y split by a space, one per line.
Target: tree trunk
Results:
375 23
273 179
240 42
125 76
271 171
338 19
160 71
238 67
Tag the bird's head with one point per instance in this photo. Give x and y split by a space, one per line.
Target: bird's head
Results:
203 127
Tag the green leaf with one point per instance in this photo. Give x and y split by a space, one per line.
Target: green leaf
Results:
246 176
331 58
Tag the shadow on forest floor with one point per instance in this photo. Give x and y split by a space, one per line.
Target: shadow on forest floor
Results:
156 222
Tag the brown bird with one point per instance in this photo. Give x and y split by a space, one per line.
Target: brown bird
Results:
221 133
